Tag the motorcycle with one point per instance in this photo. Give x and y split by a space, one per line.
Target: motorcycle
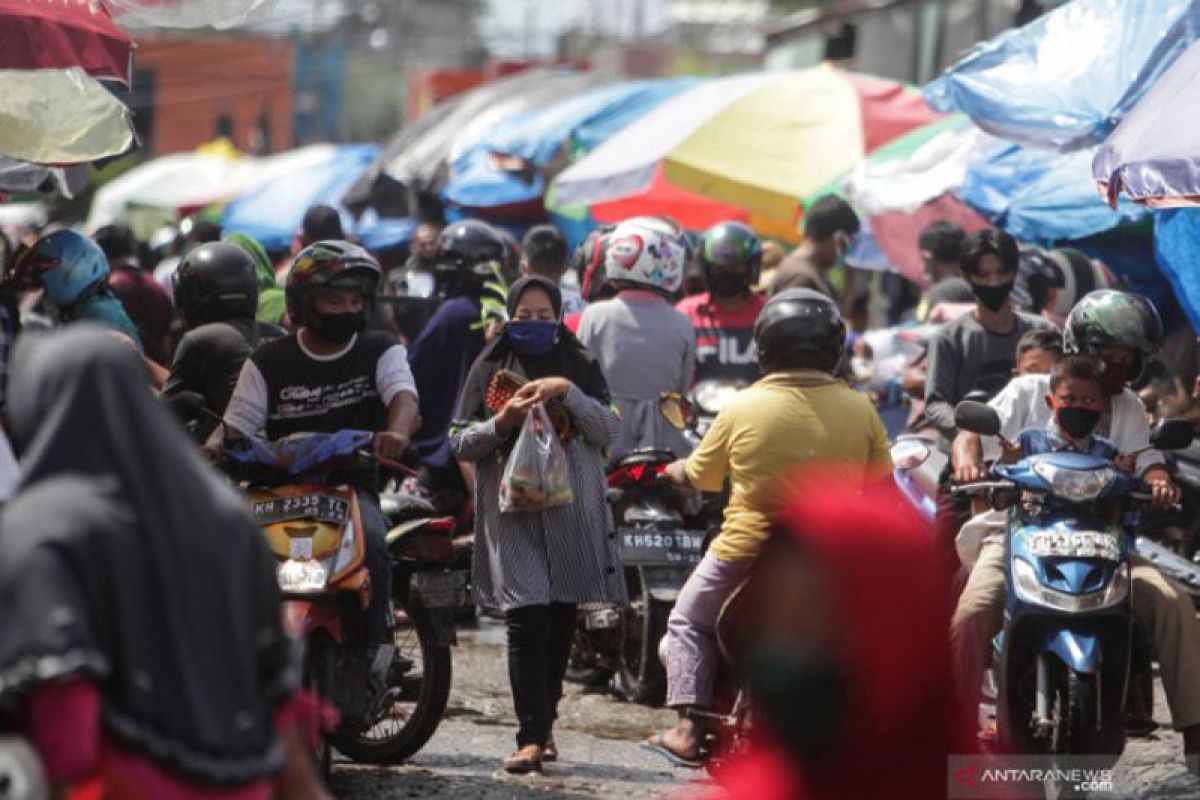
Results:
659 549
918 464
315 531
1061 665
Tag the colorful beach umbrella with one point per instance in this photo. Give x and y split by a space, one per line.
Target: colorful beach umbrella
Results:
911 183
747 147
1067 78
1153 156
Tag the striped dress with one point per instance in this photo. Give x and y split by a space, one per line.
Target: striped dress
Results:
567 554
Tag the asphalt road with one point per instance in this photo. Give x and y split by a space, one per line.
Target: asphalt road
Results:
598 738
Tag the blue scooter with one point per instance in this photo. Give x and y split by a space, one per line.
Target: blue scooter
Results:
1062 660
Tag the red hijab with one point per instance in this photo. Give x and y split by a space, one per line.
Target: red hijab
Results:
891 607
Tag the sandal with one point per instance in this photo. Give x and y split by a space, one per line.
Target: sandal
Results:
527 759
658 745
550 751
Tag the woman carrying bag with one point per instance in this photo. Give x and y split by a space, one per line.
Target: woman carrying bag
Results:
537 566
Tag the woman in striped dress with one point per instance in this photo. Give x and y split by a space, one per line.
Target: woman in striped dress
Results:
536 567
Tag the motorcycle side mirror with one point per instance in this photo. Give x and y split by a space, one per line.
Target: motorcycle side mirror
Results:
976 417
674 410
1172 434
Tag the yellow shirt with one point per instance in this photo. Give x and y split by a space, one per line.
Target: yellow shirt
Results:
784 421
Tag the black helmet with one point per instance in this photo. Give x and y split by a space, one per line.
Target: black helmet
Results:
1108 317
216 281
735 248
469 254
331 264
800 329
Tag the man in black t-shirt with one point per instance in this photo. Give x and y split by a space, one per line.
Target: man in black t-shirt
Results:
328 376
216 292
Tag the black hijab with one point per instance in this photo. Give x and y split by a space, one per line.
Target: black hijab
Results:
569 359
126 561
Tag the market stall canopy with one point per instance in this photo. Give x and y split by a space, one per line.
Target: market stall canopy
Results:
1177 250
758 142
1041 196
1064 80
53 34
61 116
188 13
422 160
913 182
1154 154
273 212
507 168
21 177
182 182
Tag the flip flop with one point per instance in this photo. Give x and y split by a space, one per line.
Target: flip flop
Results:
658 745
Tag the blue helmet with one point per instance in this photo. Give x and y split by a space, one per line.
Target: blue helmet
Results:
66 264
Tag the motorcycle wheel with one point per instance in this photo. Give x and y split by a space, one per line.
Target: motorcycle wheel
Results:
642 678
425 691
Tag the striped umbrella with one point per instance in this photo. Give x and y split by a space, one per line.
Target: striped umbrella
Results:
748 147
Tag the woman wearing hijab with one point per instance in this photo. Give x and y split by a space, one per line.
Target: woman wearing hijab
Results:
271 303
141 638
538 566
847 653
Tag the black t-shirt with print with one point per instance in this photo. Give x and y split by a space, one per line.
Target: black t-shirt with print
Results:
307 395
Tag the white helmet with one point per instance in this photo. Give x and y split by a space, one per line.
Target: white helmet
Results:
647 251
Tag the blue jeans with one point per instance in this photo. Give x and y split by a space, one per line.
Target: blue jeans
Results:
379 566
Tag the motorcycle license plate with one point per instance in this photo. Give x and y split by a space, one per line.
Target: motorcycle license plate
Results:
319 507
641 547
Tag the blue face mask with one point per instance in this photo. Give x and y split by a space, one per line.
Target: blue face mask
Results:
532 337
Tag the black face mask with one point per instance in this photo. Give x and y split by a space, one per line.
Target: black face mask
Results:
1076 421
338 328
728 284
803 695
992 297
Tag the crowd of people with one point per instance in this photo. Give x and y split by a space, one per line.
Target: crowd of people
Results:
142 647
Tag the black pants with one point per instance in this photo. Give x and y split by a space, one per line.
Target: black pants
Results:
539 646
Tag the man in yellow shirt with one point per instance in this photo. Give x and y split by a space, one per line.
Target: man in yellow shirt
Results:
797 416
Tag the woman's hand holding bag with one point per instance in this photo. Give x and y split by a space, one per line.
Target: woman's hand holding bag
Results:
536 476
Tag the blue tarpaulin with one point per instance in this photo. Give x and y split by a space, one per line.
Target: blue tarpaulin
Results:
507 167
1177 250
272 213
1041 196
1066 79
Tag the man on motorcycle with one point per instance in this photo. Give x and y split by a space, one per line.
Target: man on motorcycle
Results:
724 316
469 255
975 352
328 376
72 271
1121 330
645 347
798 415
216 293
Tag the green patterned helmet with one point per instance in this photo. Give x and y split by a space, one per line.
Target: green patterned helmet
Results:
331 264
1108 317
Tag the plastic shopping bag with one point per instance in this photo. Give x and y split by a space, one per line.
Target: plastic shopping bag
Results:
535 477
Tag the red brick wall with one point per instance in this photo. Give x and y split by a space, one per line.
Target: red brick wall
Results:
199 80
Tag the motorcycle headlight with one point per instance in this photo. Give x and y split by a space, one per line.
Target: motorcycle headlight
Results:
712 396
1076 485
1030 589
302 576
